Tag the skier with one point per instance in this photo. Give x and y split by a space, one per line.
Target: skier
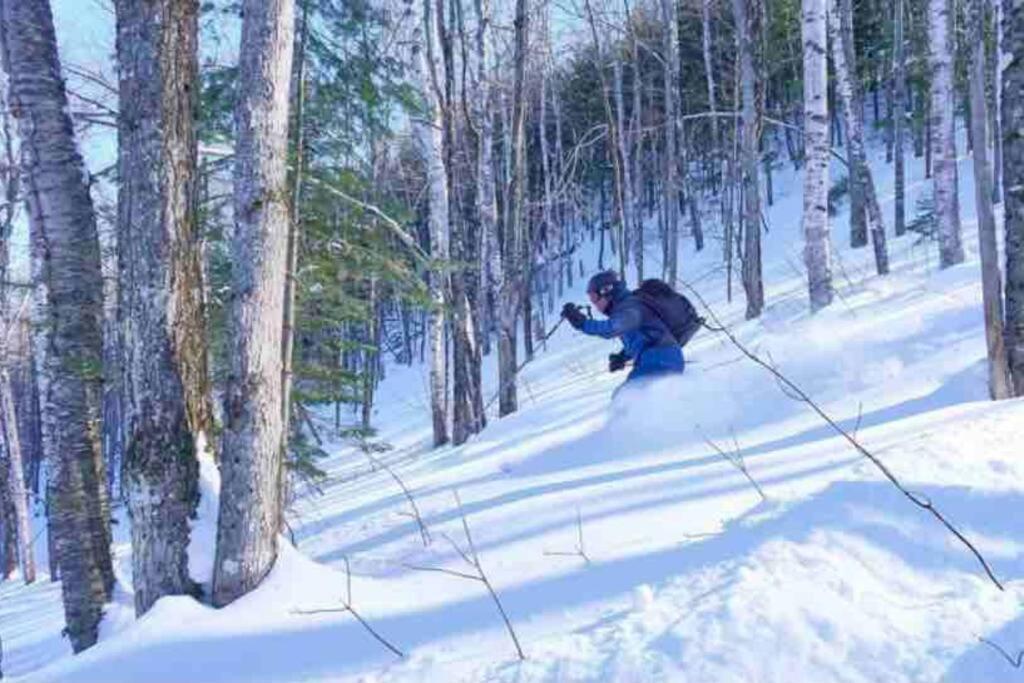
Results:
646 338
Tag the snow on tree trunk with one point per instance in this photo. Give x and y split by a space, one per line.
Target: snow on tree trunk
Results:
899 115
66 250
1013 184
253 439
817 248
748 20
991 281
670 18
164 357
841 34
947 203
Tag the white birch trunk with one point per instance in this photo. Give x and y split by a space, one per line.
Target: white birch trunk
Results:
16 471
748 20
899 116
841 33
66 260
997 129
817 247
628 205
999 384
427 131
671 179
947 203
252 459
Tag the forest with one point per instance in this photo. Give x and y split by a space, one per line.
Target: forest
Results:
304 200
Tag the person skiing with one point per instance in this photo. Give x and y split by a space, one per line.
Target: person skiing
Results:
646 339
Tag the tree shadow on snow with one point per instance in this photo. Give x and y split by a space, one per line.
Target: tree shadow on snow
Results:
336 644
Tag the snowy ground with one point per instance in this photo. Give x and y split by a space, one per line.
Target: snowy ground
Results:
685 573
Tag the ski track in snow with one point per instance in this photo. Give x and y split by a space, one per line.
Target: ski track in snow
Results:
688 575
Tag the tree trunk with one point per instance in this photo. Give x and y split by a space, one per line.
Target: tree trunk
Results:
17 522
160 289
254 438
669 15
628 203
997 98
748 22
817 248
1013 183
427 127
67 262
947 203
841 33
515 259
294 238
16 477
999 385
899 114
638 162
709 76
614 148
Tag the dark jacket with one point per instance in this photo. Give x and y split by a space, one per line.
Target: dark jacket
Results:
645 338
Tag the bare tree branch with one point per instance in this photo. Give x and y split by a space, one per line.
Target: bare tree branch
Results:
792 389
347 607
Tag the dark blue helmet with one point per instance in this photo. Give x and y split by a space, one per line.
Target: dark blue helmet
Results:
604 284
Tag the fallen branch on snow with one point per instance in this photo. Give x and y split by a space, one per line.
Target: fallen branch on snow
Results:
791 389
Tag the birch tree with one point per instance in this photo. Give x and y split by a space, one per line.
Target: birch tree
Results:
11 317
817 248
67 263
164 365
508 269
991 289
841 34
944 181
899 116
427 131
254 438
747 15
670 50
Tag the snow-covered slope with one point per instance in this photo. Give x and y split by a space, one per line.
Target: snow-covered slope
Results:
622 546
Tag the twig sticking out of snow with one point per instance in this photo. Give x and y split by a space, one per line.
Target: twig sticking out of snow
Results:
471 558
796 393
347 607
1015 662
736 460
424 533
580 550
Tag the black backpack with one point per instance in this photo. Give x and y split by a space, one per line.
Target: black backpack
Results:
671 307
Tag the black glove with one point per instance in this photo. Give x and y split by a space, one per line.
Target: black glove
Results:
574 315
617 361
